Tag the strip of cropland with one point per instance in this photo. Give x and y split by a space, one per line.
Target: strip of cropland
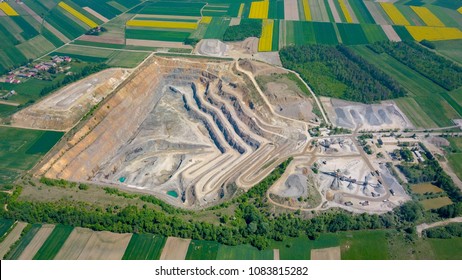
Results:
420 33
427 16
144 247
53 243
266 39
162 24
25 240
21 149
6 8
345 11
395 15
78 15
432 110
259 10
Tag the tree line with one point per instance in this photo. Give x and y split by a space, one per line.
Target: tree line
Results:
251 223
339 72
438 69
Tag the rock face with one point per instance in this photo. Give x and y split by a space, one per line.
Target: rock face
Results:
183 126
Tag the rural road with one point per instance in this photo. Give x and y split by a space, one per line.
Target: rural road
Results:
425 226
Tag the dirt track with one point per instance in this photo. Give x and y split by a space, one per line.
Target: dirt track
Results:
425 226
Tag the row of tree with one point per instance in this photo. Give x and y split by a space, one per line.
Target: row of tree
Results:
339 72
252 221
440 70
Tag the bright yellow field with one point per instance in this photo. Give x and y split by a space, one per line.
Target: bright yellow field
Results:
78 15
162 24
7 9
259 9
460 10
345 11
241 9
427 16
420 33
394 14
206 20
266 40
306 10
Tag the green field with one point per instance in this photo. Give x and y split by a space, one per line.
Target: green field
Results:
202 250
171 36
216 28
455 156
172 8
7 110
276 9
243 252
126 59
455 161
17 250
424 91
447 249
352 34
364 245
325 33
275 44
20 149
450 49
114 58
299 33
5 225
374 33
53 243
144 247
361 12
300 248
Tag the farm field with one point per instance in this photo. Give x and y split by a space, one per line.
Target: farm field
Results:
171 8
450 49
394 14
362 13
216 28
455 156
202 250
424 188
243 252
5 225
20 149
11 238
352 34
266 39
447 249
420 88
54 242
17 250
360 245
259 9
427 16
435 203
144 247
114 58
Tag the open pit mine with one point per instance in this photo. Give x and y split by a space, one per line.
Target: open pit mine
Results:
186 131
193 132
